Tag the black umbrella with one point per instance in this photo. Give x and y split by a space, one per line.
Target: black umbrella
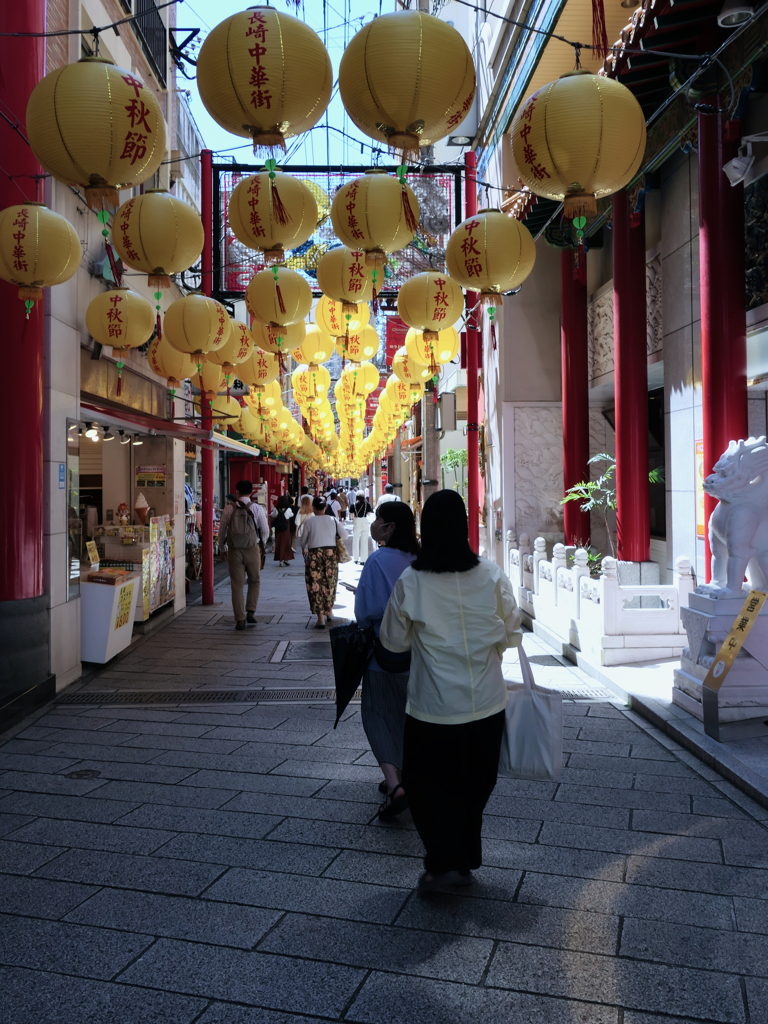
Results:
351 650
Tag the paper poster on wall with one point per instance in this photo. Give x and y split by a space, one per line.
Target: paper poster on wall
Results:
150 476
124 606
700 517
93 552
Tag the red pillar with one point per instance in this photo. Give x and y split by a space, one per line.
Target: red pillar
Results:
630 382
575 390
22 65
723 304
206 203
473 427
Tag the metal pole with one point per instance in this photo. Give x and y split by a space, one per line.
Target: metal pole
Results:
575 390
396 474
206 203
473 427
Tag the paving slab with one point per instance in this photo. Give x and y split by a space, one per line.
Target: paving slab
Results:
151 874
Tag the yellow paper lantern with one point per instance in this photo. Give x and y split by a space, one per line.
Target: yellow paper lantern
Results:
407 80
363 377
236 350
363 344
491 253
96 126
271 212
331 318
168 362
342 274
38 248
278 296
263 396
158 234
310 382
433 352
120 318
429 302
317 347
210 379
580 137
197 324
376 213
247 424
259 369
226 411
405 368
278 339
404 392
265 75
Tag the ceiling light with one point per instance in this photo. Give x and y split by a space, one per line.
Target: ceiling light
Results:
91 431
738 168
123 438
108 436
73 426
734 13
136 439
459 140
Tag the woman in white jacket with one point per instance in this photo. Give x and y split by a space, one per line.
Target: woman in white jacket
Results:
456 613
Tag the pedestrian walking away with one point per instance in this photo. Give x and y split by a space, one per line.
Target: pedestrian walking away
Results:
305 511
388 495
385 681
361 528
351 498
456 613
282 515
318 539
243 531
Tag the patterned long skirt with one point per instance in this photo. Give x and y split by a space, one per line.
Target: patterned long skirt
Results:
321 574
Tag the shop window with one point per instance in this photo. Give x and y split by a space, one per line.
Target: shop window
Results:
74 522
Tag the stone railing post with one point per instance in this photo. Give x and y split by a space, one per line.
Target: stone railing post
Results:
539 555
611 597
685 583
511 543
580 568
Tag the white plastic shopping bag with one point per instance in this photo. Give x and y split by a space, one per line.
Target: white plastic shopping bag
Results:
532 745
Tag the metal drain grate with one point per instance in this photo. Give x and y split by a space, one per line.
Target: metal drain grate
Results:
585 693
199 696
307 650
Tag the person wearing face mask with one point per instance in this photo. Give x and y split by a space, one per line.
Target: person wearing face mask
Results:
385 681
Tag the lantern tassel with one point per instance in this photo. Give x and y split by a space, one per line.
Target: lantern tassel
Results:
280 302
599 30
375 301
119 379
410 220
493 335
159 327
117 276
279 212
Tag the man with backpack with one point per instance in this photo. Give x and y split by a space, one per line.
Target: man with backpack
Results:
243 531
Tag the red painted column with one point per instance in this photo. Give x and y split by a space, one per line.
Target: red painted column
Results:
630 382
22 65
575 390
473 426
723 303
206 203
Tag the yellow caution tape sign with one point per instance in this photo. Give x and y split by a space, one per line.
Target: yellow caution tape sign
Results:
732 644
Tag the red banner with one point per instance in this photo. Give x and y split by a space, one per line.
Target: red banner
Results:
396 332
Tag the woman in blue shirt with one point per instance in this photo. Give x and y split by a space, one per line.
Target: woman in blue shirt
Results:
385 682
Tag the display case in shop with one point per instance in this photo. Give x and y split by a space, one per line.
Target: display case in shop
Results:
149 550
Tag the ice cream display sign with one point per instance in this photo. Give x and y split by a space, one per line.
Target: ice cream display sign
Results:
150 476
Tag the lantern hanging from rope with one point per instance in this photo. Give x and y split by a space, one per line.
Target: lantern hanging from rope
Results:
265 75
405 368
309 382
278 296
96 126
331 318
38 248
343 275
430 302
120 318
317 347
235 351
376 213
210 379
363 344
169 362
278 339
198 325
272 212
578 138
261 397
407 80
491 253
433 353
260 369
404 392
159 235
364 378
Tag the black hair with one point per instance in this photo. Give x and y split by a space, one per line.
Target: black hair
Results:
244 487
389 489
284 501
404 534
444 535
318 504
304 490
334 494
231 497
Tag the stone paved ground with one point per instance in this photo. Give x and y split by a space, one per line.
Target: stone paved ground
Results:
223 863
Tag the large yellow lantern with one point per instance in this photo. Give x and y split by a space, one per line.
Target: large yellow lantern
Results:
363 378
491 253
197 324
210 380
271 212
317 347
225 412
278 296
265 75
363 344
120 318
96 126
376 213
310 382
404 392
158 234
235 351
429 302
433 352
168 362
331 318
263 396
580 137
38 248
278 339
343 275
407 80
259 369
406 369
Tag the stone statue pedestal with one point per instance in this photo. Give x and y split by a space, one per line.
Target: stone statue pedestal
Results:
743 695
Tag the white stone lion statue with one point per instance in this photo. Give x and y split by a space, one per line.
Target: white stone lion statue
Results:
738 528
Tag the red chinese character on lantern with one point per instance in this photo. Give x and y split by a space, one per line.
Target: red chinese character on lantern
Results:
134 147
527 114
20 265
137 113
19 251
133 82
469 246
539 172
262 98
473 267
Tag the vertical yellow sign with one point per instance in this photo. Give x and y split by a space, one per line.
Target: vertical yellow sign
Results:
124 605
700 517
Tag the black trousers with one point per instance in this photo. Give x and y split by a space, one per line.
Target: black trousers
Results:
449 772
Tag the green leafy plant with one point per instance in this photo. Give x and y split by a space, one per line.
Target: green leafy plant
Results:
453 460
594 558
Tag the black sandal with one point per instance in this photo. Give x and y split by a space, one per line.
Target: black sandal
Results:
389 811
383 787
